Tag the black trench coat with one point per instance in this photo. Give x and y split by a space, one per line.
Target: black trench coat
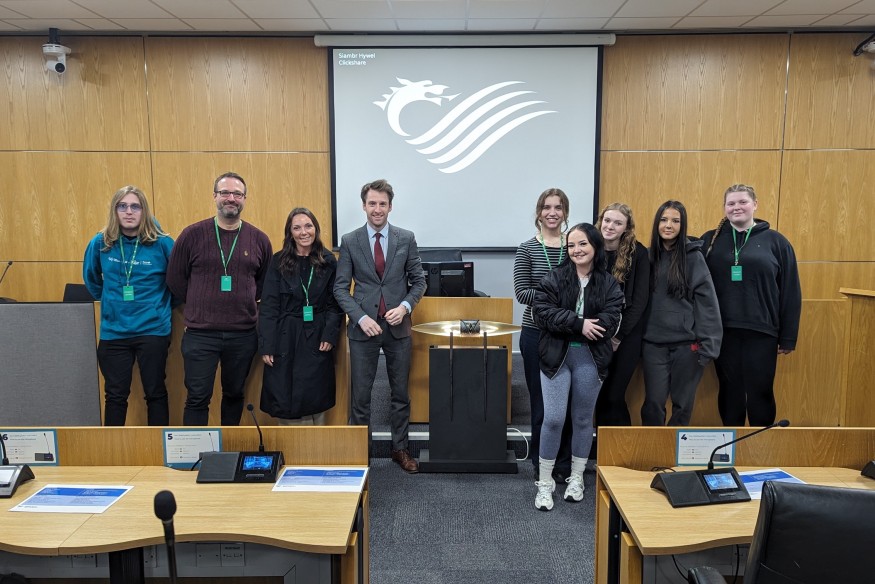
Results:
301 381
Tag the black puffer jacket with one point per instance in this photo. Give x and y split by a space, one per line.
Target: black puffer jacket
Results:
560 325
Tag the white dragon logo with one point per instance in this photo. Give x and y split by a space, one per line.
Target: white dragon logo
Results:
468 130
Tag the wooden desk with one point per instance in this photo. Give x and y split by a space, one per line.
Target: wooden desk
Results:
640 521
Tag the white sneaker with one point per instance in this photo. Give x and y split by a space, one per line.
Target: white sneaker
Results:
574 490
544 498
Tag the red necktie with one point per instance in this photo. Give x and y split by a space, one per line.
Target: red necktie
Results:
380 264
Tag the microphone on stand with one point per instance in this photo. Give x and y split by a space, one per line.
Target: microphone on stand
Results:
779 423
251 409
2 276
11 475
165 508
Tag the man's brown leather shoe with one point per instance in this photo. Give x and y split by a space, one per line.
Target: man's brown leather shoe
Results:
405 461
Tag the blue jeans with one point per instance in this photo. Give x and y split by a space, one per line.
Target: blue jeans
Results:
202 351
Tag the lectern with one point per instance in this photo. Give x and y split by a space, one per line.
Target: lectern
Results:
467 400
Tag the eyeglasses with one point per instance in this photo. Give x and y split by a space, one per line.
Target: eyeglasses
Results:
236 194
124 207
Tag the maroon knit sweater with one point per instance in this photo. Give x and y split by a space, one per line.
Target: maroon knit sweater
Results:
195 270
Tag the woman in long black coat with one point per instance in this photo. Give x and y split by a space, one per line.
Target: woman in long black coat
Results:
298 325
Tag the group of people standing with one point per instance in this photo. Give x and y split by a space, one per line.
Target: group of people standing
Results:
598 302
241 299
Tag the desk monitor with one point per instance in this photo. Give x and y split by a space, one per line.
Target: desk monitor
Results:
449 278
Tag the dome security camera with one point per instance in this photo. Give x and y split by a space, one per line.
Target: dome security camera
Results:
56 57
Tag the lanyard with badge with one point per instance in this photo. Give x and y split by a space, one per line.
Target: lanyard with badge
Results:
127 289
307 310
735 269
561 250
225 285
579 308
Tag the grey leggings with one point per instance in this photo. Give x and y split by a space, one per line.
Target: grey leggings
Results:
579 377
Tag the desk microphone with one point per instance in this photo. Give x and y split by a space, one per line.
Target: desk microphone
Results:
165 508
11 475
781 423
2 276
251 409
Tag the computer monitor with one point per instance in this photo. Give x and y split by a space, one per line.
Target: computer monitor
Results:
449 278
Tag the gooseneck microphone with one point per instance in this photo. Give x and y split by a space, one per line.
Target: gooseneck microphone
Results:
165 508
251 409
4 271
779 423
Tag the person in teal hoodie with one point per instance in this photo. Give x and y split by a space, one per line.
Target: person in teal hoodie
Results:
125 266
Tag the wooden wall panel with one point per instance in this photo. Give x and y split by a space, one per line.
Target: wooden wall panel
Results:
644 180
827 208
56 201
694 92
822 280
859 360
39 281
98 104
209 94
276 183
829 93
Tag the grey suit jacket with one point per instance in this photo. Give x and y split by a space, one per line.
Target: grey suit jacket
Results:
356 263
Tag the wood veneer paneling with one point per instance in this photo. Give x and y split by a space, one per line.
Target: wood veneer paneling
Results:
644 180
276 183
829 94
859 362
240 94
99 103
822 280
39 281
827 208
54 202
690 92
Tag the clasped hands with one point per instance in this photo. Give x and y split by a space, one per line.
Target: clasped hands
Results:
591 330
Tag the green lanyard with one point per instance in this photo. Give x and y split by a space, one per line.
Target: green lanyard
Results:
580 297
561 250
307 287
233 245
129 269
735 243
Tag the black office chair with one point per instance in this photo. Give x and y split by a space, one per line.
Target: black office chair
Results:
808 534
77 293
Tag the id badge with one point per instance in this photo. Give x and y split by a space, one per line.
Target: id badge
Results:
127 293
735 273
308 314
574 344
226 284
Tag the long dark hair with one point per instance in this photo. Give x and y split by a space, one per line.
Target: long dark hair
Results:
567 271
677 268
288 257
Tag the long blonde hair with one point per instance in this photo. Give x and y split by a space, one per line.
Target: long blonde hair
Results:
149 230
626 249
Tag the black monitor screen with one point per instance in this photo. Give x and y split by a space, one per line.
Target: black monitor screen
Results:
449 278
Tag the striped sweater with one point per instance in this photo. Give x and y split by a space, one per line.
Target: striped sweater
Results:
530 265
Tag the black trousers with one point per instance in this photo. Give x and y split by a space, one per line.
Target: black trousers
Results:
611 408
746 371
532 368
202 352
116 360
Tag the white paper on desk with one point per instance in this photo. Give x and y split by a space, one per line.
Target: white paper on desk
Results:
73 499
322 479
754 479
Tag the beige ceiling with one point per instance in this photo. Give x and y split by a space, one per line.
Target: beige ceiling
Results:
392 16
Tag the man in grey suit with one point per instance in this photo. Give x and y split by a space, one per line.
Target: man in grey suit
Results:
383 260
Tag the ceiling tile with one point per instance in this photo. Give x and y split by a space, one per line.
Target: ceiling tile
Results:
576 24
581 8
124 9
276 9
501 24
445 10
361 25
837 20
292 24
664 8
6 26
862 7
734 7
40 24
153 24
784 21
48 9
223 24
864 21
797 7
207 9
641 23
430 24
347 9
99 24
6 13
505 9
712 22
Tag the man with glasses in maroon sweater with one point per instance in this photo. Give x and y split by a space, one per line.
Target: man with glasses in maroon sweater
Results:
217 268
